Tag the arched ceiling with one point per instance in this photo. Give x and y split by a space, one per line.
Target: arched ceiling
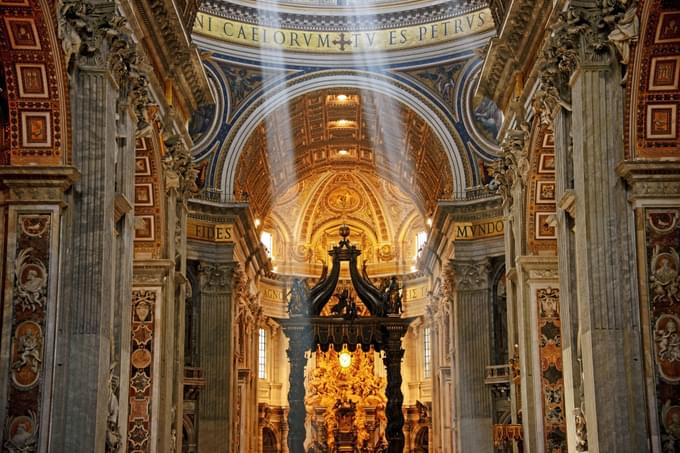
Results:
383 221
339 130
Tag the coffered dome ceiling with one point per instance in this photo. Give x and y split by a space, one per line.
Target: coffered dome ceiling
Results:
338 130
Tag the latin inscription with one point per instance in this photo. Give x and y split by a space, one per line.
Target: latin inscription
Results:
347 41
210 232
475 230
415 293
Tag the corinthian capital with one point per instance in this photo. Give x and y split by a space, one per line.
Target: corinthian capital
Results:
512 169
582 36
95 34
470 276
179 168
216 277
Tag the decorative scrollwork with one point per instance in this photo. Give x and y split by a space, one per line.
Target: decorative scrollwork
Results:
30 282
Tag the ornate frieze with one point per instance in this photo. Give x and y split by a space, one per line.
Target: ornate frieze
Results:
144 304
552 380
662 243
28 314
339 22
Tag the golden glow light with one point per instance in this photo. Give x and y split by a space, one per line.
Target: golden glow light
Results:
345 358
343 152
342 97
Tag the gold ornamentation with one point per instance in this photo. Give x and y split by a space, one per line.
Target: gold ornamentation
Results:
329 383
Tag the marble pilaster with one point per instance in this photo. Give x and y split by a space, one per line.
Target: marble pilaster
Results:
32 212
216 357
88 281
605 260
472 323
569 313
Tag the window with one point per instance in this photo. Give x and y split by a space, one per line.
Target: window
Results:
421 239
427 353
262 355
268 241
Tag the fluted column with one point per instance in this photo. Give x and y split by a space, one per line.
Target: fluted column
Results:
98 241
216 352
471 307
605 264
606 291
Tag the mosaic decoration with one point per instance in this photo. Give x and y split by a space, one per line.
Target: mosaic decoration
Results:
552 382
541 191
36 88
441 79
144 303
28 313
662 227
148 211
655 103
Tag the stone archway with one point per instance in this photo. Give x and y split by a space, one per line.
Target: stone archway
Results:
224 167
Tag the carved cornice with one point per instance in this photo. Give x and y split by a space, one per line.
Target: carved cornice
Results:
519 35
36 184
173 47
151 272
651 179
568 202
537 268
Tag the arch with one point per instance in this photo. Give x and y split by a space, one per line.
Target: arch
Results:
148 198
422 443
37 86
226 161
269 441
652 81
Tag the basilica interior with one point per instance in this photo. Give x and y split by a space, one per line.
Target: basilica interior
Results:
340 226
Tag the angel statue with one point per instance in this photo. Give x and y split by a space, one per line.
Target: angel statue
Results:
298 304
